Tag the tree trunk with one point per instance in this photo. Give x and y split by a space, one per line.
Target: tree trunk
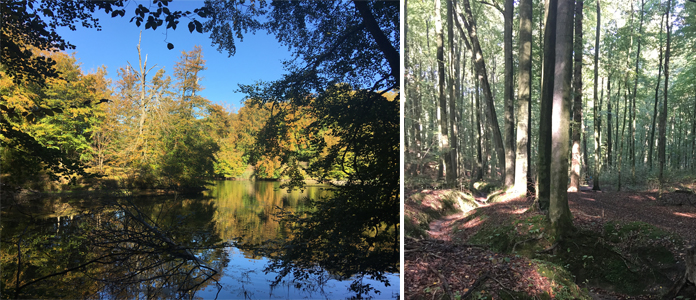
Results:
509 106
621 138
524 87
651 142
443 139
480 65
477 116
635 88
597 111
663 118
609 123
547 86
559 211
453 172
577 104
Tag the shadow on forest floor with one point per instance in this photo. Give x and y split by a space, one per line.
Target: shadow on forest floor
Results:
629 245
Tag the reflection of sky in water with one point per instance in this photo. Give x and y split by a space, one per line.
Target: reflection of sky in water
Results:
238 207
243 278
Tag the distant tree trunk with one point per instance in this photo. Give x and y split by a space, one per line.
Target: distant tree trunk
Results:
693 135
480 65
597 111
663 117
445 161
598 141
509 105
609 123
559 211
477 117
547 86
633 101
651 142
577 105
623 128
453 172
524 86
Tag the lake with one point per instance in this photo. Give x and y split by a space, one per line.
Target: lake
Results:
106 247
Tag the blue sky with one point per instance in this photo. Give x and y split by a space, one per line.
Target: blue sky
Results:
258 57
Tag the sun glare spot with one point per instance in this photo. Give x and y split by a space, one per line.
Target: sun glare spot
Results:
688 215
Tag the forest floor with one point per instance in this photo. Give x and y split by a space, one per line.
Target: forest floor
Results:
469 252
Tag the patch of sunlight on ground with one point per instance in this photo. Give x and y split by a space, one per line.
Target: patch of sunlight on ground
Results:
688 215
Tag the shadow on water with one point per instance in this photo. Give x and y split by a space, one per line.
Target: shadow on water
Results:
121 248
172 247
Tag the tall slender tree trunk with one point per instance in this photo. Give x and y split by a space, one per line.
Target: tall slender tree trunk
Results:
577 103
609 123
633 101
524 87
470 24
479 140
545 122
509 106
559 211
663 118
453 172
651 142
597 111
621 138
693 133
445 155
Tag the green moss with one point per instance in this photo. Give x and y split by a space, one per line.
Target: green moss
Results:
498 238
564 282
413 230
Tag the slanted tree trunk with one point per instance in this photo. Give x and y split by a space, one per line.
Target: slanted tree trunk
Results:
577 103
547 86
508 103
524 87
470 24
559 211
597 110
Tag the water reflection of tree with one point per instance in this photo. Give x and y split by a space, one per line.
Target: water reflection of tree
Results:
247 210
165 250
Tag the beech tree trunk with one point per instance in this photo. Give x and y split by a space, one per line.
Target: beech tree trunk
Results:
524 87
445 161
651 142
480 65
453 172
597 111
547 86
635 88
559 211
663 118
577 103
508 103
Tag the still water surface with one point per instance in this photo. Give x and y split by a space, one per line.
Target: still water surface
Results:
158 247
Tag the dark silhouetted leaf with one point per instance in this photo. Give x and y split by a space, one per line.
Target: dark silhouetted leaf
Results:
170 46
191 26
